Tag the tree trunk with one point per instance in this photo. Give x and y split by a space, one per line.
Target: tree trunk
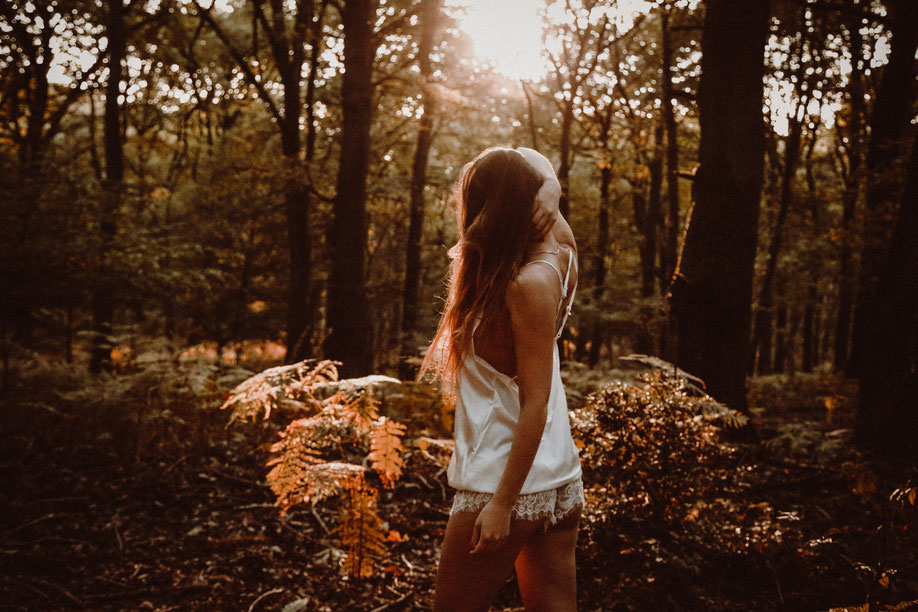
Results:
888 133
429 22
654 219
808 360
849 200
564 171
887 417
672 155
287 48
599 265
102 298
782 338
712 291
533 131
348 311
297 202
761 337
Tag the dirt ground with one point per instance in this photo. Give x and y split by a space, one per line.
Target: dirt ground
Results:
192 526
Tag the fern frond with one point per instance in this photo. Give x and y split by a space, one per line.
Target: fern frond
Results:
309 482
386 450
362 410
361 530
288 386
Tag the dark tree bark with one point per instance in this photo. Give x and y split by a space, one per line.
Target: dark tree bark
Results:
853 183
712 290
113 184
429 21
348 311
887 417
888 139
808 359
602 247
564 169
289 55
782 337
654 223
668 255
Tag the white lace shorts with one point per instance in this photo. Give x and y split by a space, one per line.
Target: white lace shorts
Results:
553 505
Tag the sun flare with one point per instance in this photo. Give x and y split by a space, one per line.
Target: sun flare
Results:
508 33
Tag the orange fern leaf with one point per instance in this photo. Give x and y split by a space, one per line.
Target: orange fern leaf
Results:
362 410
361 530
386 450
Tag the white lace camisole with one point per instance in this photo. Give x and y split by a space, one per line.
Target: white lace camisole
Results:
487 411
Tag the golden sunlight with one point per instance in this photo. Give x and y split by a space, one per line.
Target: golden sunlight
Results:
508 33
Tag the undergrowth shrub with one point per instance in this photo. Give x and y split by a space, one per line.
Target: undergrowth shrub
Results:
158 405
651 445
660 483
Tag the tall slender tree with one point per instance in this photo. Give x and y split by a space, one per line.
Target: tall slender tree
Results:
287 27
429 20
852 145
113 184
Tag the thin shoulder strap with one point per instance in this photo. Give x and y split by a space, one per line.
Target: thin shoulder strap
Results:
553 267
567 277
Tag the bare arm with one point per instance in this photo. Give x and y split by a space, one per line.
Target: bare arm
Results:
532 302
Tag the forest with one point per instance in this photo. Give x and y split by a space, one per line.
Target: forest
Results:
224 235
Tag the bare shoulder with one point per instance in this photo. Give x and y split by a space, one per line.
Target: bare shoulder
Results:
533 295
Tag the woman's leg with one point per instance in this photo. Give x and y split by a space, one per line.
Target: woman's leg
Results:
467 582
546 570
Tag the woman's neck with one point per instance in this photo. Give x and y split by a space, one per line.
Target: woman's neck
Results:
549 244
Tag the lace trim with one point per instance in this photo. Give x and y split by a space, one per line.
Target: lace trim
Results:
553 505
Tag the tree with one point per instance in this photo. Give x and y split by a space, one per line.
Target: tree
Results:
886 325
786 170
429 21
892 113
348 310
583 39
711 293
887 418
287 31
852 145
113 184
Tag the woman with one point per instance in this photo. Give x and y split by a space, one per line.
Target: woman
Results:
515 465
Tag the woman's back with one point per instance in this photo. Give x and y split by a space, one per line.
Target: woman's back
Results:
493 338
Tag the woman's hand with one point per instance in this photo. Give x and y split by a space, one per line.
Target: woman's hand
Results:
545 209
491 528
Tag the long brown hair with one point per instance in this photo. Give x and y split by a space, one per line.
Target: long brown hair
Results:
494 201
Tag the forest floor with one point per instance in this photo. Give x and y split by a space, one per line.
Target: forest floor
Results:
105 520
